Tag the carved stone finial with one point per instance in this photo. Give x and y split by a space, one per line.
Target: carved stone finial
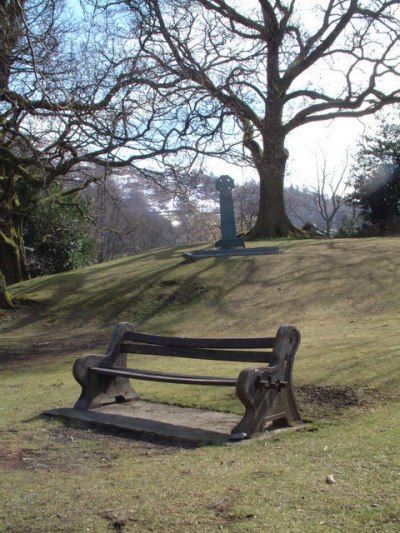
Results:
224 183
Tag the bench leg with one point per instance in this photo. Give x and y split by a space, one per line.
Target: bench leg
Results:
264 402
97 388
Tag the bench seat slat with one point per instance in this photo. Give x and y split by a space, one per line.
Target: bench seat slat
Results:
234 343
247 356
147 375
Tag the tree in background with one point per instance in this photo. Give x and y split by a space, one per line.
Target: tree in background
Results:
125 222
58 236
67 99
330 194
377 178
246 198
235 79
194 222
323 204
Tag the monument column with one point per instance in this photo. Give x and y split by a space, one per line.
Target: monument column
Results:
225 184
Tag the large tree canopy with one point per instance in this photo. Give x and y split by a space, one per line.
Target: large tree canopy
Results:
235 78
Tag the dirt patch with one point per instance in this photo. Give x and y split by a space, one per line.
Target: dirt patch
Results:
22 459
11 460
181 294
117 522
337 398
225 509
320 400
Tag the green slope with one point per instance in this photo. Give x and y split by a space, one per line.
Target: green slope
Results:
342 294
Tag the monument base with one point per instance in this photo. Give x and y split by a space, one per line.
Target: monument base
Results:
229 243
224 252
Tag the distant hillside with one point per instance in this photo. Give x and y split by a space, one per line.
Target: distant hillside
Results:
201 193
164 213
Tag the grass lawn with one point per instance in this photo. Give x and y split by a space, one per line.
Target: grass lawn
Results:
343 296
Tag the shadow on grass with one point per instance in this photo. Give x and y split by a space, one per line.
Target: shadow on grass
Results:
93 431
97 294
108 293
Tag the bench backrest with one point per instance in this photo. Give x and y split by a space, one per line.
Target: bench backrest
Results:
249 350
126 340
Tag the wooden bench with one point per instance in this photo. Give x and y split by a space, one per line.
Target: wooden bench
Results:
265 391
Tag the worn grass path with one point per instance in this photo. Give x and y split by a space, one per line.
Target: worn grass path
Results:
342 294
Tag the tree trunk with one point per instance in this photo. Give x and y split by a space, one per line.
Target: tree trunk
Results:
12 249
272 220
5 297
12 253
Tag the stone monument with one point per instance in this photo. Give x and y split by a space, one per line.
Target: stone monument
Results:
229 239
229 244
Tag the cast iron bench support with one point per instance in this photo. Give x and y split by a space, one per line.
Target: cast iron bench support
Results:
265 391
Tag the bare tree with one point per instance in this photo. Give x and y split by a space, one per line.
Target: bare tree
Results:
68 97
110 220
319 205
195 224
330 192
246 201
299 205
123 222
236 78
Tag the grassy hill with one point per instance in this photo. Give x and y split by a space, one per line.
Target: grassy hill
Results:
343 296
